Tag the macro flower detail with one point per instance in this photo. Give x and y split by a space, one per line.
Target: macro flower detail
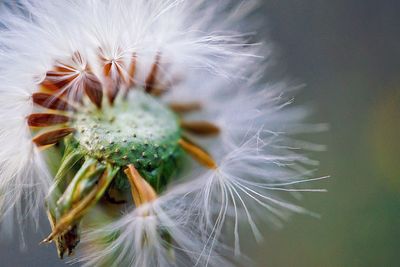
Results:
143 130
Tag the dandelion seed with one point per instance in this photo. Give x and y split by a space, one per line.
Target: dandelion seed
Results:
124 92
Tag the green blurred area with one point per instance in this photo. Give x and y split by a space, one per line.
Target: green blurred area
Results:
347 53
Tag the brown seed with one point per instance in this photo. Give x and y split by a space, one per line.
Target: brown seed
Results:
113 71
132 71
107 69
199 154
52 137
112 89
51 102
111 64
45 119
59 78
200 127
67 79
185 107
93 89
151 80
141 190
120 70
158 91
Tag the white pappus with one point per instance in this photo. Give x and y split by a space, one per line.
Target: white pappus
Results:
102 103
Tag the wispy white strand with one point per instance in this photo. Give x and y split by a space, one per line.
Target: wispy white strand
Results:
37 34
240 187
24 177
261 166
140 238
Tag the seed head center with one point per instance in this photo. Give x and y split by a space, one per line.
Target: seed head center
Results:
140 130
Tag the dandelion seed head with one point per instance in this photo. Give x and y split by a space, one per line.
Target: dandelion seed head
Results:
104 104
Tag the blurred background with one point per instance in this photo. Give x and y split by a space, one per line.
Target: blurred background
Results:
347 52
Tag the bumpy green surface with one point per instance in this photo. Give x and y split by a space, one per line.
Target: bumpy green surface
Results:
142 132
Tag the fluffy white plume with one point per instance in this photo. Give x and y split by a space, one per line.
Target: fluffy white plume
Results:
36 35
188 35
199 43
158 234
261 171
262 168
24 177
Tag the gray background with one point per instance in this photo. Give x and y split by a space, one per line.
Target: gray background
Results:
347 52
